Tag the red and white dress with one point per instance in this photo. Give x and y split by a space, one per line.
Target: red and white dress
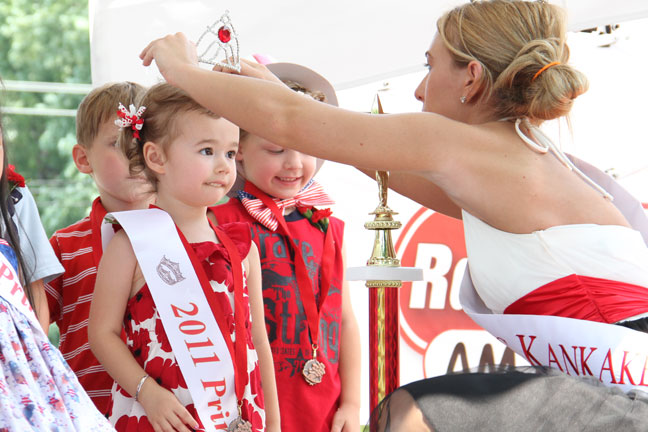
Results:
150 346
586 271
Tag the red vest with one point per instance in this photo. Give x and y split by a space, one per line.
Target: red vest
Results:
303 407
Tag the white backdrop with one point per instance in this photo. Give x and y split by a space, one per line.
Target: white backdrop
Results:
363 46
351 42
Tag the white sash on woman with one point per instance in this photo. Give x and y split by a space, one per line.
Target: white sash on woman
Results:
616 355
12 291
197 342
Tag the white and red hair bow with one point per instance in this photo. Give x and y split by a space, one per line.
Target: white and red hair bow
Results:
132 118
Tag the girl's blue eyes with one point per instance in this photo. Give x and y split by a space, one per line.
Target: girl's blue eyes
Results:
231 154
206 152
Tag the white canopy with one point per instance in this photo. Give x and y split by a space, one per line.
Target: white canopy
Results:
351 42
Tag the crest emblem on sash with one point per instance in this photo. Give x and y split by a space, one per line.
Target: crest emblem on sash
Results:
169 271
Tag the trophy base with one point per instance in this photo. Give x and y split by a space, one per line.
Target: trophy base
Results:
381 274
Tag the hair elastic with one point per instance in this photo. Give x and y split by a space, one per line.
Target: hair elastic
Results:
544 68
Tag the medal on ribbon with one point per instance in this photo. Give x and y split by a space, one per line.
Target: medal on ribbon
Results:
313 370
240 344
239 424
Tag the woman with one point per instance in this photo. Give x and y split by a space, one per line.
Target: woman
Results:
497 69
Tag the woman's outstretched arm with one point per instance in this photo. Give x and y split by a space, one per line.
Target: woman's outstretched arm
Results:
407 142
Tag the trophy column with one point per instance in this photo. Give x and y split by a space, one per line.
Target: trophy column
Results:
383 276
383 301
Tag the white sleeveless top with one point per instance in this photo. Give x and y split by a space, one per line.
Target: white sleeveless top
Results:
506 266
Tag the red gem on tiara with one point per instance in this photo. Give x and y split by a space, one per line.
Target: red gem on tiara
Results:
218 45
224 35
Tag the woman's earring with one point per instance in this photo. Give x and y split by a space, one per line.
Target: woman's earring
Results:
463 99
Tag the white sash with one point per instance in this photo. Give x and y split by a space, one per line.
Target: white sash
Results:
615 355
12 291
197 342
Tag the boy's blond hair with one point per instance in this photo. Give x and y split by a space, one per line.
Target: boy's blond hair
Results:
100 105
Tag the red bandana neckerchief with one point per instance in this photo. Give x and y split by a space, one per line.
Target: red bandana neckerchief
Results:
311 195
304 283
238 350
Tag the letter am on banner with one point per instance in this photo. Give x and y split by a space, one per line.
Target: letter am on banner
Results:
437 333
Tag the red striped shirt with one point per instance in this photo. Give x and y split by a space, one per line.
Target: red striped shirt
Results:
78 247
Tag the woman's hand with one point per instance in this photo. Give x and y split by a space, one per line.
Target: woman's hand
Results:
163 410
171 53
257 70
251 69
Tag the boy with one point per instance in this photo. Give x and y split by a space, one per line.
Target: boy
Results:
312 331
79 246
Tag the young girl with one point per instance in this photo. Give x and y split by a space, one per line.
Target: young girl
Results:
38 391
311 326
189 361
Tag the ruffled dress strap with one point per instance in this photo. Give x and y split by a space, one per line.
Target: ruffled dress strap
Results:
214 257
240 234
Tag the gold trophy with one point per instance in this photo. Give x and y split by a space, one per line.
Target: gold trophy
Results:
383 253
383 275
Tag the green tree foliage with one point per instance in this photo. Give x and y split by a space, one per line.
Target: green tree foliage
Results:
46 40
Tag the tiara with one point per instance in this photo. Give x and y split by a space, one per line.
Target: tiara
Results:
220 37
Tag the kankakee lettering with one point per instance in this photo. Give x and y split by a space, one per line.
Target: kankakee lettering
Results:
577 360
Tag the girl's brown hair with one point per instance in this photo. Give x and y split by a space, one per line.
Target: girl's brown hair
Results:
164 103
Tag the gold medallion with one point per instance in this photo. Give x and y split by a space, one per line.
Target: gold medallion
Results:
313 371
239 425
